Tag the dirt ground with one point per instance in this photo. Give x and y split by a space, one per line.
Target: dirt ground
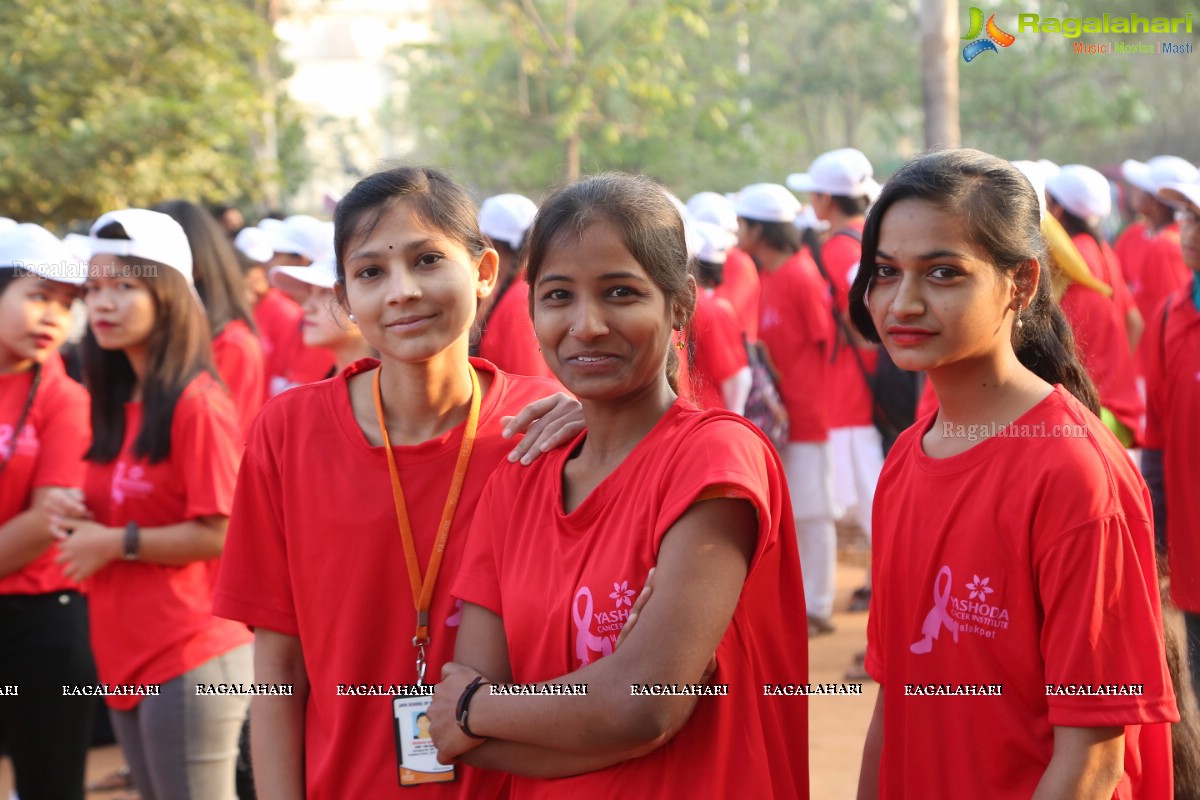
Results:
837 723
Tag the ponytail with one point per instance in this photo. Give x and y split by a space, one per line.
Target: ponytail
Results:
1045 345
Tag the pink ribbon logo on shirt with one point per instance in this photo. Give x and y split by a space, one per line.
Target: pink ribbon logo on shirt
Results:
585 640
937 616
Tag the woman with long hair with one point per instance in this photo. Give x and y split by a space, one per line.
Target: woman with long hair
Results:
1015 626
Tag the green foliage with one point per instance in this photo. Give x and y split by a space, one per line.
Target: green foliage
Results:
113 103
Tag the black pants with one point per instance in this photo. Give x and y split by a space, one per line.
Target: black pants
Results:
44 646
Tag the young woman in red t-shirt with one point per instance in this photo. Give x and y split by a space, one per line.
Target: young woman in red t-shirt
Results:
237 351
558 552
348 483
1013 560
160 474
43 433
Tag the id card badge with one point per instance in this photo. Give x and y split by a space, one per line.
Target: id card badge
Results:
416 757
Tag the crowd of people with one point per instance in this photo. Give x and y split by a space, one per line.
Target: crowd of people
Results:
558 483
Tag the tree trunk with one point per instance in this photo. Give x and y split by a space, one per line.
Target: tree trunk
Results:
939 73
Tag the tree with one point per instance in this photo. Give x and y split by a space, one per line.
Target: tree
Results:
939 72
115 103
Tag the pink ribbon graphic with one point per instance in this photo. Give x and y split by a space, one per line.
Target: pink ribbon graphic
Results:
585 641
937 616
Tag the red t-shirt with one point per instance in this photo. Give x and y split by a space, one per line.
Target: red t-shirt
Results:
796 325
850 401
1173 426
591 564
1129 250
239 359
1105 265
151 623
1160 269
314 551
49 452
927 403
1026 561
277 318
509 341
718 352
1104 350
741 287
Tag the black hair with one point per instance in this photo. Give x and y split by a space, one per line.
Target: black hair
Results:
997 208
178 350
215 268
782 236
650 228
851 206
709 273
7 276
436 199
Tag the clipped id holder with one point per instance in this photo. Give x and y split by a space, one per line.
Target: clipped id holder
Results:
416 757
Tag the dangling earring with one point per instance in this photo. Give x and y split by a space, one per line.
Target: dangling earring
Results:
679 342
1020 322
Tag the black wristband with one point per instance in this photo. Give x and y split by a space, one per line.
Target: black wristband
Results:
132 541
462 710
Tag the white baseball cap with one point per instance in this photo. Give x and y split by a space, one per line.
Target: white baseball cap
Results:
846 172
714 208
807 219
1158 172
1036 174
1048 167
1081 190
6 223
302 235
1181 195
766 202
32 248
255 243
715 242
152 235
506 218
322 273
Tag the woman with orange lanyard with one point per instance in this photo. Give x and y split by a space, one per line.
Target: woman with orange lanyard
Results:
1015 627
43 433
318 548
699 496
161 469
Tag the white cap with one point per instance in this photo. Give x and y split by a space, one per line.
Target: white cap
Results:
302 235
715 242
322 273
256 244
6 223
34 249
1158 172
1081 190
1037 176
506 218
79 245
1180 195
714 208
766 202
846 172
691 237
152 236
807 219
1048 167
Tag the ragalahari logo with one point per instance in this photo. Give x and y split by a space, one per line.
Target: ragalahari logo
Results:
994 37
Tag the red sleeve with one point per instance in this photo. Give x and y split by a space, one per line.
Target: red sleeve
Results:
206 444
239 359
1153 360
66 432
723 451
727 354
1099 593
478 579
255 584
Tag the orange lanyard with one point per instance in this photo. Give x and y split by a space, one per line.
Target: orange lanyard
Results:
422 589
